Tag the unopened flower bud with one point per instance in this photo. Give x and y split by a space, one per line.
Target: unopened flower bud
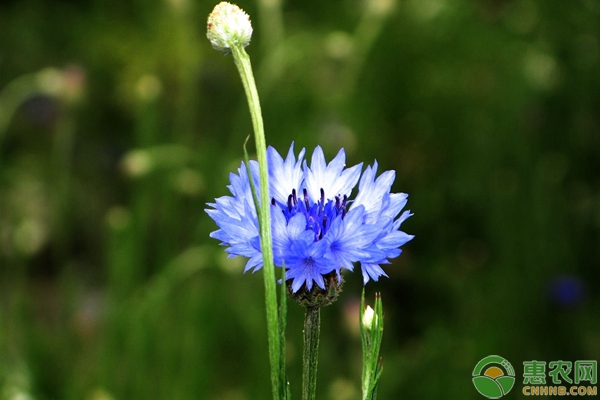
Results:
368 317
228 26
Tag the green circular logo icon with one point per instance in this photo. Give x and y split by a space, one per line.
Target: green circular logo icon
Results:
493 377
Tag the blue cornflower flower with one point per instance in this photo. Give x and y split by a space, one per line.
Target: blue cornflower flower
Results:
316 229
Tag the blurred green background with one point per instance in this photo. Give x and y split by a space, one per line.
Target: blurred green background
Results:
118 122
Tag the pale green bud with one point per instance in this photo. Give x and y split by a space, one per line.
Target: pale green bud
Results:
228 26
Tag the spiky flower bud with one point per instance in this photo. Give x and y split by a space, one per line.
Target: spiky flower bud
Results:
316 296
228 26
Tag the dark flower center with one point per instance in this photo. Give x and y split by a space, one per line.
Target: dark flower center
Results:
319 215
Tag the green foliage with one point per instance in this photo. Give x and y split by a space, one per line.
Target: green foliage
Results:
110 287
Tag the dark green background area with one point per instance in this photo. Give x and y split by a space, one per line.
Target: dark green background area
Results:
118 122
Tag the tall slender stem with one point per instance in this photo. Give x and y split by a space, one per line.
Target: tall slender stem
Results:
242 61
312 324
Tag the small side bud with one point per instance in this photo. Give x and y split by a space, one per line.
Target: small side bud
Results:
368 317
228 26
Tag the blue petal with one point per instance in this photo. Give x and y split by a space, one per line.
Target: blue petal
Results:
371 191
284 175
372 271
397 201
350 240
332 178
306 264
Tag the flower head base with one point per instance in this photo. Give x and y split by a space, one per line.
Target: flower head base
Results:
317 296
228 26
317 229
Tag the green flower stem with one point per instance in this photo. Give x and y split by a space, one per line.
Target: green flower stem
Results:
312 324
242 61
371 337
